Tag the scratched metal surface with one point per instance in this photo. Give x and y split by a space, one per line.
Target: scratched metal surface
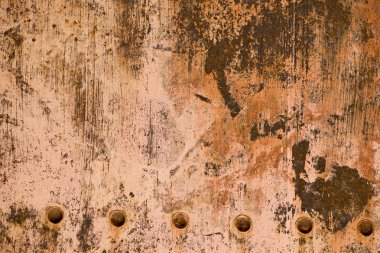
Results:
215 108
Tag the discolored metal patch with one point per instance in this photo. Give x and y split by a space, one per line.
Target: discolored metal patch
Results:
189 126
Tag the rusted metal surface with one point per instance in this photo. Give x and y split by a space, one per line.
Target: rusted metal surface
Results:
189 126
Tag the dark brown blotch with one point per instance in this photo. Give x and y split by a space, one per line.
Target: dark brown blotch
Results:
284 212
338 199
266 129
19 215
85 232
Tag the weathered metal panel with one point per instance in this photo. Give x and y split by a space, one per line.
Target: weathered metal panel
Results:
168 126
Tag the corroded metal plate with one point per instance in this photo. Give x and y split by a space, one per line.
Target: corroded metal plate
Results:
189 126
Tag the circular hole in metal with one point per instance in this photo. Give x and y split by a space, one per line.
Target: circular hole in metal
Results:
180 220
365 227
243 223
304 225
117 218
55 214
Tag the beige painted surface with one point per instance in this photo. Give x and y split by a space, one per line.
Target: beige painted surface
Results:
214 108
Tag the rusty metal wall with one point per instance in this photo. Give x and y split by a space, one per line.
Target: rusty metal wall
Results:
189 126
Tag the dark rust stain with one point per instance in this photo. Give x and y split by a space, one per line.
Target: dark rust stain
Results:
85 233
338 199
272 32
134 26
4 237
362 91
283 213
88 111
14 33
277 129
218 58
14 50
79 115
7 119
203 98
212 169
253 88
49 238
356 247
19 215
319 163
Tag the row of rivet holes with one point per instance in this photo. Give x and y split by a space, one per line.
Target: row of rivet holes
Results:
180 220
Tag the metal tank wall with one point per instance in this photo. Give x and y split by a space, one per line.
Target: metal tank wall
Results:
193 126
